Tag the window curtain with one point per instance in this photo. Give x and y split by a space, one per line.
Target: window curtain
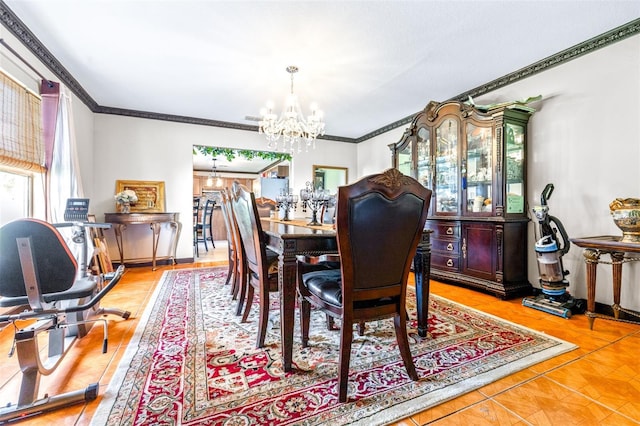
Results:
50 92
64 179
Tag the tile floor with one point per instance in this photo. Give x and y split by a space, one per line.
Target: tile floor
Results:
596 384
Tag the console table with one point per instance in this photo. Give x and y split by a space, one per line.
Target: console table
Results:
594 248
120 221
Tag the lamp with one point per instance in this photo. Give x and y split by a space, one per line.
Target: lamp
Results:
292 125
286 200
214 176
315 199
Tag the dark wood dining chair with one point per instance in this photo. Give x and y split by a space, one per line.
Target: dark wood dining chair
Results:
236 255
204 230
261 263
379 223
196 210
230 234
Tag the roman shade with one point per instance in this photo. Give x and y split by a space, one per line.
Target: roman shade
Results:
21 143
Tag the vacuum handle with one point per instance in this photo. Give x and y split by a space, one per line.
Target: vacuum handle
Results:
566 244
546 194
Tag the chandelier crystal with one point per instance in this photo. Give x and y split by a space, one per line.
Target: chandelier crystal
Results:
292 127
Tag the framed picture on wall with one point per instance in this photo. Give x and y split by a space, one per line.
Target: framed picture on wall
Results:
150 195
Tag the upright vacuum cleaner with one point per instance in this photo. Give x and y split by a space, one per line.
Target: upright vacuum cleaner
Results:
550 247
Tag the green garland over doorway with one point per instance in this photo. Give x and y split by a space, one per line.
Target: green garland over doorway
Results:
230 153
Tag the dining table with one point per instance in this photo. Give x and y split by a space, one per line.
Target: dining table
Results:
295 237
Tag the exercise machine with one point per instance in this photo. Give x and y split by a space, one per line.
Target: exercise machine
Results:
49 290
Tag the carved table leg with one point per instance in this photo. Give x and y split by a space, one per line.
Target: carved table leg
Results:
155 227
422 271
591 258
117 229
616 265
177 228
287 287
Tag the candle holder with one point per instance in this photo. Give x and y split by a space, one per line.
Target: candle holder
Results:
285 200
314 199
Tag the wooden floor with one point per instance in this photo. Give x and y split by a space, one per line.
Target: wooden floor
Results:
596 384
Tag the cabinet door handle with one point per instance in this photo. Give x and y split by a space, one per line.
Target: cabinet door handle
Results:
450 247
449 231
464 248
449 263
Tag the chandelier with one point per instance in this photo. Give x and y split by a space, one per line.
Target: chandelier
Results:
213 176
292 126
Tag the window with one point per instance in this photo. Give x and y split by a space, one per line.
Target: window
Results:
15 191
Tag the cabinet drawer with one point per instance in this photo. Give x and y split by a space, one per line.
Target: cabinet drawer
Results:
449 246
444 229
441 261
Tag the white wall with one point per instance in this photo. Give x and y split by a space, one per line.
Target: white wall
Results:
374 154
141 149
585 139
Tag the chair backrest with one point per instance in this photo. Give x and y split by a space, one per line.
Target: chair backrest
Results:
55 265
229 224
379 224
196 209
250 229
265 206
207 213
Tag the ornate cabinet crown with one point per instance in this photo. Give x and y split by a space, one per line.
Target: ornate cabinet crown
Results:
474 160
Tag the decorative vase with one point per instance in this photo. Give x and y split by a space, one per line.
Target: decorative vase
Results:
125 208
626 216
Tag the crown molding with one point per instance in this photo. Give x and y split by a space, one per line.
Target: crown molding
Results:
22 33
195 120
31 42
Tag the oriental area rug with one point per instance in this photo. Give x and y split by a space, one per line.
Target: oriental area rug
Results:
192 362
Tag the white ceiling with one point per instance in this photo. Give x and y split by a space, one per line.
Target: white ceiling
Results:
366 63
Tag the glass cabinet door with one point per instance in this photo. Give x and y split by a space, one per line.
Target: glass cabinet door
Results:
479 169
424 170
446 174
515 170
404 160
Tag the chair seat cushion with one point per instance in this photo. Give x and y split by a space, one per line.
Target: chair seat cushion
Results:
327 285
81 288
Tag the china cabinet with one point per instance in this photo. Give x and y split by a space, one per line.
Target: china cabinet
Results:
474 160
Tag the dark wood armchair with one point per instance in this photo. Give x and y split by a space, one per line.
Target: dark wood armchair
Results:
261 263
379 223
